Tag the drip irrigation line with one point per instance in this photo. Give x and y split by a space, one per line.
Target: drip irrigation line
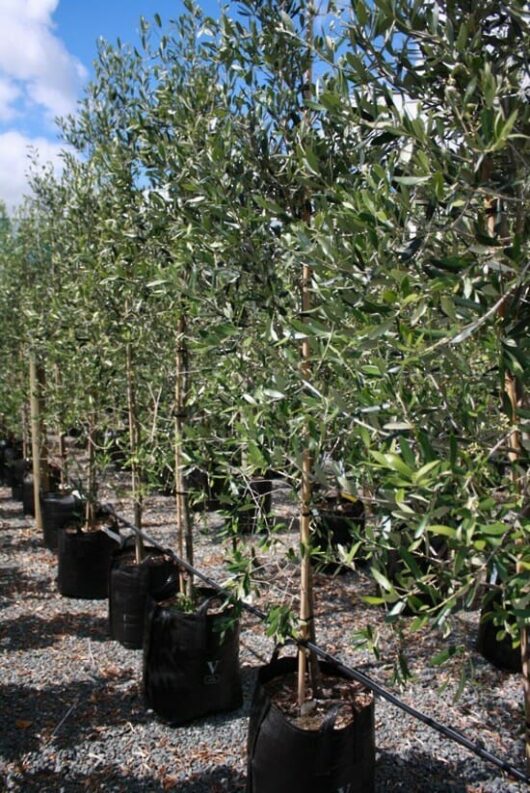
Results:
448 732
354 674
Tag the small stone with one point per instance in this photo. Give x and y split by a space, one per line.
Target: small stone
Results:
308 707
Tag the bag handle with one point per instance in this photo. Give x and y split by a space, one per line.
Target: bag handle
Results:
168 588
326 744
203 608
278 648
261 705
329 720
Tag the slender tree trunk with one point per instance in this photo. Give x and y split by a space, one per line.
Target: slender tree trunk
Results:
514 455
38 442
516 445
92 485
184 528
63 458
133 447
24 422
307 619
61 436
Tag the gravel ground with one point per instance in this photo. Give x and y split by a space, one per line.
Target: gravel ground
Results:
73 717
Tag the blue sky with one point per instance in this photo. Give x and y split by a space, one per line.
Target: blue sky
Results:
46 53
80 22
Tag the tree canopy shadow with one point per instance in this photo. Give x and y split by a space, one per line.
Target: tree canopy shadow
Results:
67 714
222 779
10 509
22 545
31 632
14 583
418 771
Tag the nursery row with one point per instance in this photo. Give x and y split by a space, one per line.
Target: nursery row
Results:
74 711
191 651
291 244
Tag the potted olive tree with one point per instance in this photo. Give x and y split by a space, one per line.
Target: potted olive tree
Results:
84 548
191 644
293 724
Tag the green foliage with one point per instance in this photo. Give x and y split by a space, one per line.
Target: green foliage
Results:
201 155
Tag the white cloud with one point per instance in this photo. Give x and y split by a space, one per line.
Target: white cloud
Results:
14 163
9 92
35 60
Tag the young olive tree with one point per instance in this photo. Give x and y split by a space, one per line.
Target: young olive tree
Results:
107 132
449 81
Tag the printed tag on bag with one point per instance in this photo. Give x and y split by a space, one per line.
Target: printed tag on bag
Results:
213 677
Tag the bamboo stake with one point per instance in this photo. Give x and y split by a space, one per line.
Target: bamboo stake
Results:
514 455
516 443
307 622
91 449
133 447
184 528
24 421
38 445
61 434
44 467
63 458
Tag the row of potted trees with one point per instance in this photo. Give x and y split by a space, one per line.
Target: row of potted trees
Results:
270 254
190 641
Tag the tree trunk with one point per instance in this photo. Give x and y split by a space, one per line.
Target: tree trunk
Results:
514 454
92 484
38 441
133 447
184 528
307 620
25 440
61 436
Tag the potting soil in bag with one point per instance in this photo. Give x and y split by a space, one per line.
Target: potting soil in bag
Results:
129 587
284 758
190 668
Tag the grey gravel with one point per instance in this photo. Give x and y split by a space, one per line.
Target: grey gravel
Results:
73 717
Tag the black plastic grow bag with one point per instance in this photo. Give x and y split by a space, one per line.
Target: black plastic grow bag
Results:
59 510
28 496
17 469
190 669
3 461
12 455
84 563
282 758
255 502
337 523
129 587
501 653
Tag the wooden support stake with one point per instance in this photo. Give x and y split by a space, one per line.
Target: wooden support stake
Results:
514 455
306 614
133 447
184 528
62 443
38 443
25 441
92 485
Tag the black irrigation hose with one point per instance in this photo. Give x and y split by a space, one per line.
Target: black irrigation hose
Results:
448 732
